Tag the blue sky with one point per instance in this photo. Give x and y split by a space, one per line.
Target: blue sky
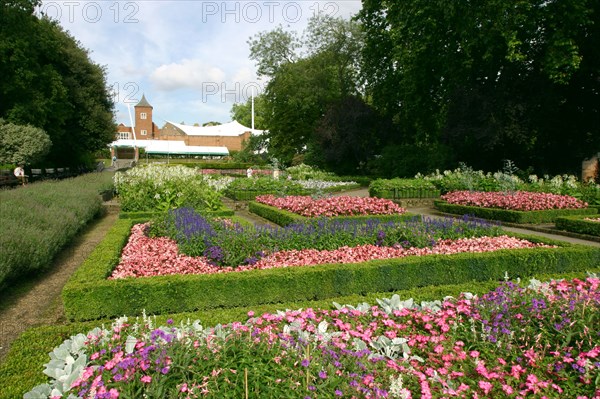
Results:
190 58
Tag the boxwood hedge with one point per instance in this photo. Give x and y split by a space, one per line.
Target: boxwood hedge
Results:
577 224
511 216
89 295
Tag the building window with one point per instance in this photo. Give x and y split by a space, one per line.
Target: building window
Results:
123 135
144 132
143 115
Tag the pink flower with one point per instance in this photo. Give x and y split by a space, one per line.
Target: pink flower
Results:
146 379
519 200
486 386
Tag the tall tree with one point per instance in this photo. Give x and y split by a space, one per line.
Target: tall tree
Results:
348 136
302 87
49 81
492 79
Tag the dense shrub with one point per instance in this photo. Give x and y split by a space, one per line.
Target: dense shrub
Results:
38 220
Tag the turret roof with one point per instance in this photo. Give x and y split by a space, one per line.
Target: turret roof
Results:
143 102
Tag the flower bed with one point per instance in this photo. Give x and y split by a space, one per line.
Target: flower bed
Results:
227 244
90 295
507 343
159 187
146 257
516 201
334 206
521 217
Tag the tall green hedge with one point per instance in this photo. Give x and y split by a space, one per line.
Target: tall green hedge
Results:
89 295
505 215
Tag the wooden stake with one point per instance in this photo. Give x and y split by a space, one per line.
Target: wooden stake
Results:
246 381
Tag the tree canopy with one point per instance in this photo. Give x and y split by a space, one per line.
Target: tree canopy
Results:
310 75
491 80
48 81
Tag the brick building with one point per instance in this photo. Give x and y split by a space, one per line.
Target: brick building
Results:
216 140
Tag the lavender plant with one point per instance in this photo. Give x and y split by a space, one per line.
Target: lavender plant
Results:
228 244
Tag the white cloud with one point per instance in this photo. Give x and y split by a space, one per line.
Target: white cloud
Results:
187 74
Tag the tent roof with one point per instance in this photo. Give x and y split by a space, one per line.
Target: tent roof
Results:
233 128
171 147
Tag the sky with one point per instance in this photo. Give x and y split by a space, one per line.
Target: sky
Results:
189 58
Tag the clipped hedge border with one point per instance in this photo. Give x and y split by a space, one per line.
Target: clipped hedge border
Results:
89 295
403 188
284 218
224 211
504 215
577 224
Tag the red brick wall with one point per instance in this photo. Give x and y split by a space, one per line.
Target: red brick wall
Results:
143 124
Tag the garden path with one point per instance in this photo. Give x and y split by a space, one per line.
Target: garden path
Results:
38 301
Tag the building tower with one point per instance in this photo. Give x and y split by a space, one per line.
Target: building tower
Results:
143 120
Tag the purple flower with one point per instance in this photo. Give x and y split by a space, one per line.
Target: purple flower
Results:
305 363
338 392
322 374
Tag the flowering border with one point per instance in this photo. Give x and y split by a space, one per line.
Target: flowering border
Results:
90 295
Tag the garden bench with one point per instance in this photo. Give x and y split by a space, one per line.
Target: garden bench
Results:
36 174
51 173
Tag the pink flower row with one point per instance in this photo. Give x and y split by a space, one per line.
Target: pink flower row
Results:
454 363
333 206
518 201
592 219
144 256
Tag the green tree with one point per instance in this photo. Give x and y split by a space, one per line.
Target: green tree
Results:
273 49
348 136
242 112
49 81
21 145
302 87
492 80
